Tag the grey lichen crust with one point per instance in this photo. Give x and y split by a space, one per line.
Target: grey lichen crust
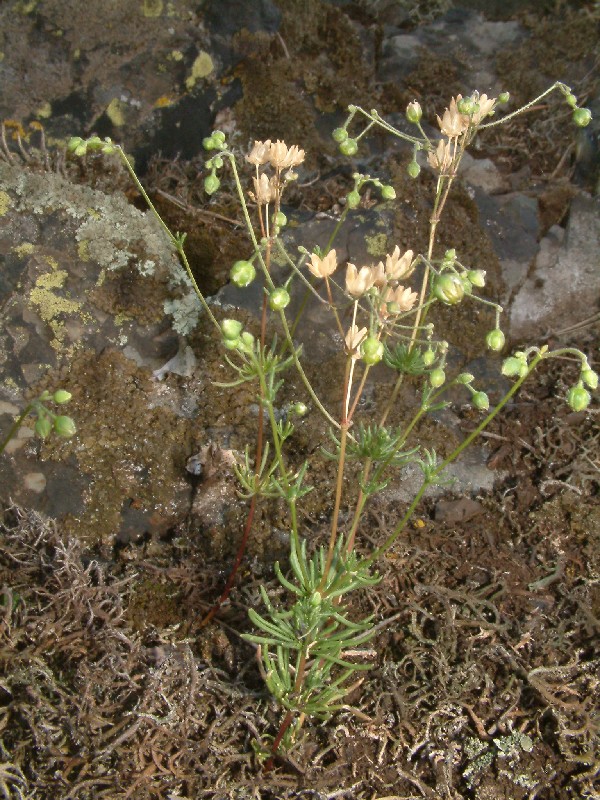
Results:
109 231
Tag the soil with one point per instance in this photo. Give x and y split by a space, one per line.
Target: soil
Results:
484 683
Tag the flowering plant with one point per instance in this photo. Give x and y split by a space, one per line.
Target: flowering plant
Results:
312 648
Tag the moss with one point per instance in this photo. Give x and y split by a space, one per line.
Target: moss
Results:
4 203
154 603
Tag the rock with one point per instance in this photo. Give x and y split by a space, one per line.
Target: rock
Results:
564 285
457 512
86 279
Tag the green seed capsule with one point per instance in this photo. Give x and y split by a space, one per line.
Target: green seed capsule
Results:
64 426
388 192
61 396
495 340
503 97
231 328
340 135
413 169
242 273
582 117
348 147
43 426
211 184
578 398
428 357
353 199
371 350
481 401
590 378
279 299
449 289
437 377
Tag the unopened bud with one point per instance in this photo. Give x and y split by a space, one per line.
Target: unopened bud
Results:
481 401
414 112
388 192
211 184
231 328
437 377
353 199
413 169
503 98
43 426
477 277
64 426
495 340
299 409
61 396
590 378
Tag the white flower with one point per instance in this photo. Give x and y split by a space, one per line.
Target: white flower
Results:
441 160
486 104
353 340
265 190
260 153
282 157
398 267
358 281
323 267
397 300
453 123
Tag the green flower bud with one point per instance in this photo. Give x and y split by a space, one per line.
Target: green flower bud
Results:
466 105
414 112
481 401
503 97
315 599
217 162
449 289
582 117
279 299
231 344
413 169
75 142
208 164
43 426
231 328
590 378
64 426
437 377
246 342
477 277
348 147
466 283
340 135
578 397
61 396
571 100
428 357
45 395
209 143
495 340
353 199
94 143
242 273
211 184
218 138
371 350
299 409
108 148
280 219
514 367
388 192
465 378
450 256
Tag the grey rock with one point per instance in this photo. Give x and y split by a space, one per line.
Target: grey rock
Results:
564 285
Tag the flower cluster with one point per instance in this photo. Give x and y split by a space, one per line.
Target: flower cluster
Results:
460 117
279 156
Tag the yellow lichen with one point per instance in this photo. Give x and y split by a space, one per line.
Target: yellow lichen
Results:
152 8
24 249
4 203
376 245
115 111
83 250
202 66
49 305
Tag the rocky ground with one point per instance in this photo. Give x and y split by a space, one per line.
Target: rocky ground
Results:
114 547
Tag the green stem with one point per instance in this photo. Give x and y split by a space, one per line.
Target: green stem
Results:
557 85
15 426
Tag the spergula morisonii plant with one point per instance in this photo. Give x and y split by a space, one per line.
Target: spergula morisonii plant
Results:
313 650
